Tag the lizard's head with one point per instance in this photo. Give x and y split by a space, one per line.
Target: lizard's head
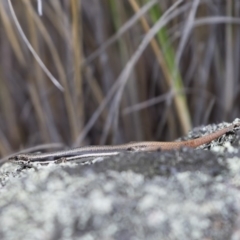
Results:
20 158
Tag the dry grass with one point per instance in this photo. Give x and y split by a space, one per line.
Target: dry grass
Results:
131 70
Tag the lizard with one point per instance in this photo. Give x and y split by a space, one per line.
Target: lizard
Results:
109 150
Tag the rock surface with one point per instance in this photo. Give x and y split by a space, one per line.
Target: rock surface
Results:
186 194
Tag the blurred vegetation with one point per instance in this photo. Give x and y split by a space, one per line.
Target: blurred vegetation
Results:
131 70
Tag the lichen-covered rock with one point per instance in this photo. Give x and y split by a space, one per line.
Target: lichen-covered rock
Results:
186 194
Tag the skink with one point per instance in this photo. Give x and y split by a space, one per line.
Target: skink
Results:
98 151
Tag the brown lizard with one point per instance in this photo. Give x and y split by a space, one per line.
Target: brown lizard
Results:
108 150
